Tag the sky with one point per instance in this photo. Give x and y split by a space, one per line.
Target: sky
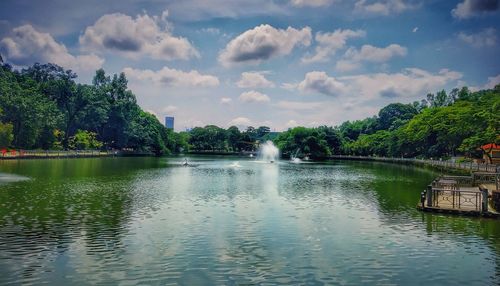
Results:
278 63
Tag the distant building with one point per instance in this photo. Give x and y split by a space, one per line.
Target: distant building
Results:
169 122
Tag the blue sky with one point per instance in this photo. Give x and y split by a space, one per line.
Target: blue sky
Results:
257 62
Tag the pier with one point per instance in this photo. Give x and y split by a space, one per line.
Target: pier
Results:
476 195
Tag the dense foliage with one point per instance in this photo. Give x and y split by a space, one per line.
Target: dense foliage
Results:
43 107
213 138
441 125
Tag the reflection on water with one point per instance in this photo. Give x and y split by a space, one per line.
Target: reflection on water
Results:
153 221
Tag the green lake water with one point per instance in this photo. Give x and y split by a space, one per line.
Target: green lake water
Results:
151 221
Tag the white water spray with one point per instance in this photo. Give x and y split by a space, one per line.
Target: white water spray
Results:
268 152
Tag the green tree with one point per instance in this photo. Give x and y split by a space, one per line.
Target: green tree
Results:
395 115
6 135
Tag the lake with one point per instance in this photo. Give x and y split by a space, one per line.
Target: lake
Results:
232 221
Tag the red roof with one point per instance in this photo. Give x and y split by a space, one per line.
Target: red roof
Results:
491 146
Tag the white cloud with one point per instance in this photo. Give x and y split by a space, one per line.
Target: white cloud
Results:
27 46
410 83
240 122
320 82
225 100
492 82
262 43
299 105
329 43
254 96
291 124
353 57
173 77
169 109
485 38
254 80
470 8
289 86
136 37
346 65
382 7
311 3
370 53
415 30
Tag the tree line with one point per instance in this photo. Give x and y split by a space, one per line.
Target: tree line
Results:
42 107
441 125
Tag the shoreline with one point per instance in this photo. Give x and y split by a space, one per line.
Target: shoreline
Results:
51 154
436 164
470 167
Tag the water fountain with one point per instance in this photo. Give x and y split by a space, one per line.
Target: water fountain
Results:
294 158
268 152
235 165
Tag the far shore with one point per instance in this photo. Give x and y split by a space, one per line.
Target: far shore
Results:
437 164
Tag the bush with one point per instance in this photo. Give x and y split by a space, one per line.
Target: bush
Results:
6 134
84 139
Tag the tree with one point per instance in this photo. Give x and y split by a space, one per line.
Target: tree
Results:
6 135
234 138
302 141
262 131
395 115
83 140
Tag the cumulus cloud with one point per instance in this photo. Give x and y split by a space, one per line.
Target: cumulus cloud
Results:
485 38
374 54
262 43
470 8
368 53
320 82
26 46
492 82
240 122
143 35
289 86
409 83
254 96
254 80
173 77
291 123
225 100
346 65
311 3
382 7
329 43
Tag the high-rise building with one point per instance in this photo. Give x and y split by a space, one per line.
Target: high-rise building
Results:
169 122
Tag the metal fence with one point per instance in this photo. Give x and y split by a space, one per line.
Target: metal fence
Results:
20 153
473 167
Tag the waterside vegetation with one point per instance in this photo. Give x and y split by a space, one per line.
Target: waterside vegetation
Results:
43 107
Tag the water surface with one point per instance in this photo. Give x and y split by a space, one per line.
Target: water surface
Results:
152 221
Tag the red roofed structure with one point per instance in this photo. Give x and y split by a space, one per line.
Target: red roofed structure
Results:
491 153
